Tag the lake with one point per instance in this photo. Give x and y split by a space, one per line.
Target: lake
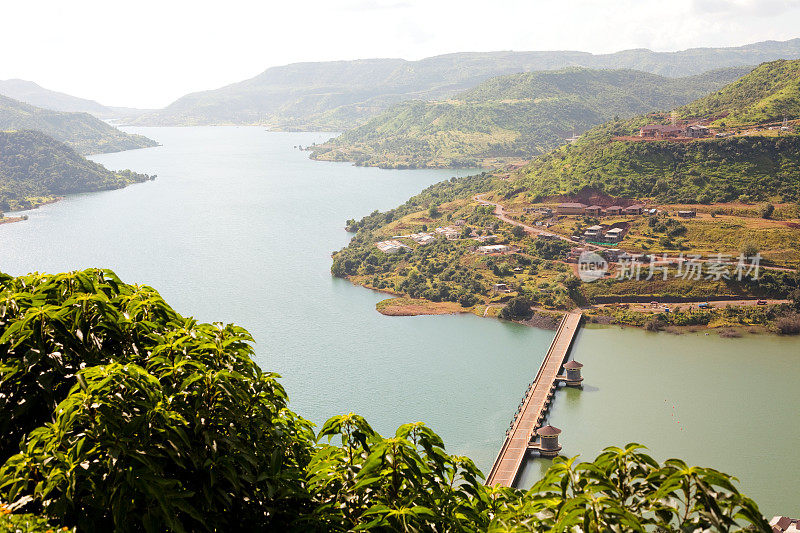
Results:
239 227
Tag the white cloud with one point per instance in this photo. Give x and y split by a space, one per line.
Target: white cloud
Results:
736 8
149 52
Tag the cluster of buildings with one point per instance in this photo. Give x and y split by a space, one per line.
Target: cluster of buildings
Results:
602 234
672 131
546 211
577 208
448 232
612 255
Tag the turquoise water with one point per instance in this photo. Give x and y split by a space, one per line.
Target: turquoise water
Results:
729 404
239 227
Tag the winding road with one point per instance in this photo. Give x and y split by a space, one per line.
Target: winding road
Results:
501 214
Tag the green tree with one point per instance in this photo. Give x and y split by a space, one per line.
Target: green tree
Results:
129 417
518 307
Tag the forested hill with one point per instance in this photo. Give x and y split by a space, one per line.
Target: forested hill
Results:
513 117
339 95
35 168
83 132
771 93
759 163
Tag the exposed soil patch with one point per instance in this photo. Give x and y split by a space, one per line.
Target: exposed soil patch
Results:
415 307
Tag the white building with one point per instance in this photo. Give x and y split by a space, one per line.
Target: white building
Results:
449 232
494 249
422 238
614 235
390 247
592 232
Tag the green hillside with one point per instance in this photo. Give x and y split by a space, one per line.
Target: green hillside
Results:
339 95
762 165
772 92
512 117
83 132
706 171
35 168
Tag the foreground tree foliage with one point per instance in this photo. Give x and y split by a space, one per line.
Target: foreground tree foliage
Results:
119 414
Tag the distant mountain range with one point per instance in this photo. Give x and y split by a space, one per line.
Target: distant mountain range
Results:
34 94
83 132
339 95
512 118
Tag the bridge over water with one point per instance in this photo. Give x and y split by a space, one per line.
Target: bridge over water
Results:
527 424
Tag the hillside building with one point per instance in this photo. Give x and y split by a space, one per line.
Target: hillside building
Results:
493 249
422 238
571 208
660 131
390 247
614 235
593 233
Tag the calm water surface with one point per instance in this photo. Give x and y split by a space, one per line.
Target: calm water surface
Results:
730 404
239 227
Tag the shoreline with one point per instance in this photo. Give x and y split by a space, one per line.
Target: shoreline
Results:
403 305
11 219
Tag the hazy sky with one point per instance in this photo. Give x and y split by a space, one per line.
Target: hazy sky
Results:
149 52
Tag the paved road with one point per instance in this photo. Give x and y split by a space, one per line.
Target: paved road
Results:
648 307
500 213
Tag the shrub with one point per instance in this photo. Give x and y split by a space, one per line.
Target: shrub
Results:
142 420
655 324
789 324
518 307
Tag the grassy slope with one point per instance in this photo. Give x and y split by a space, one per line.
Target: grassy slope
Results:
512 117
770 93
35 168
81 131
712 170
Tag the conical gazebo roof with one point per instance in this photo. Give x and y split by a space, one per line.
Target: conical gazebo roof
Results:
548 431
